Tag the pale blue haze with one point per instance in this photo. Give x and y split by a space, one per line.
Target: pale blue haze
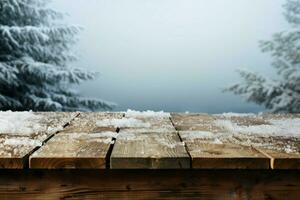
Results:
172 55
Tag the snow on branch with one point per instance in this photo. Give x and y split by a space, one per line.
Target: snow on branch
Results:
36 60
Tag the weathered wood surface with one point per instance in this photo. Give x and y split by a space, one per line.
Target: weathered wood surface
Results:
14 151
210 155
191 121
93 122
234 141
281 159
17 145
207 151
262 131
148 142
84 144
150 184
73 151
154 124
140 123
226 141
148 150
284 153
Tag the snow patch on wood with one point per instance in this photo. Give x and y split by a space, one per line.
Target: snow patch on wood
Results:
17 146
277 127
148 113
123 123
231 114
19 122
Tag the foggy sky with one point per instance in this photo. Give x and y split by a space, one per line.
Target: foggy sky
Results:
172 55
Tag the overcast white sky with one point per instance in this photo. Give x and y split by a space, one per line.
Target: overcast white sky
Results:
172 55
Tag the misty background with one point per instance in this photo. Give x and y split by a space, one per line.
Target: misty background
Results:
172 55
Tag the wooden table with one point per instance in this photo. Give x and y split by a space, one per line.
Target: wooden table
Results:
142 156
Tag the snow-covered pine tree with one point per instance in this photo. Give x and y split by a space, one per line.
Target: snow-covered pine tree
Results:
283 93
35 54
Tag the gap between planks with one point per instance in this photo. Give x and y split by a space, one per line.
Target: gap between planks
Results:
185 146
96 160
26 158
111 148
154 154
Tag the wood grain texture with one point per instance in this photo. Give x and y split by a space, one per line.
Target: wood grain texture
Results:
42 125
146 124
16 146
283 160
150 184
211 148
260 135
15 155
234 141
148 150
88 122
284 151
72 150
192 121
225 156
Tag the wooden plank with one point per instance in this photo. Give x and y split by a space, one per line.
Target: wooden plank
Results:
93 122
148 150
141 123
192 121
273 135
253 133
283 160
210 145
31 131
149 184
212 154
283 152
154 124
38 125
15 151
73 150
